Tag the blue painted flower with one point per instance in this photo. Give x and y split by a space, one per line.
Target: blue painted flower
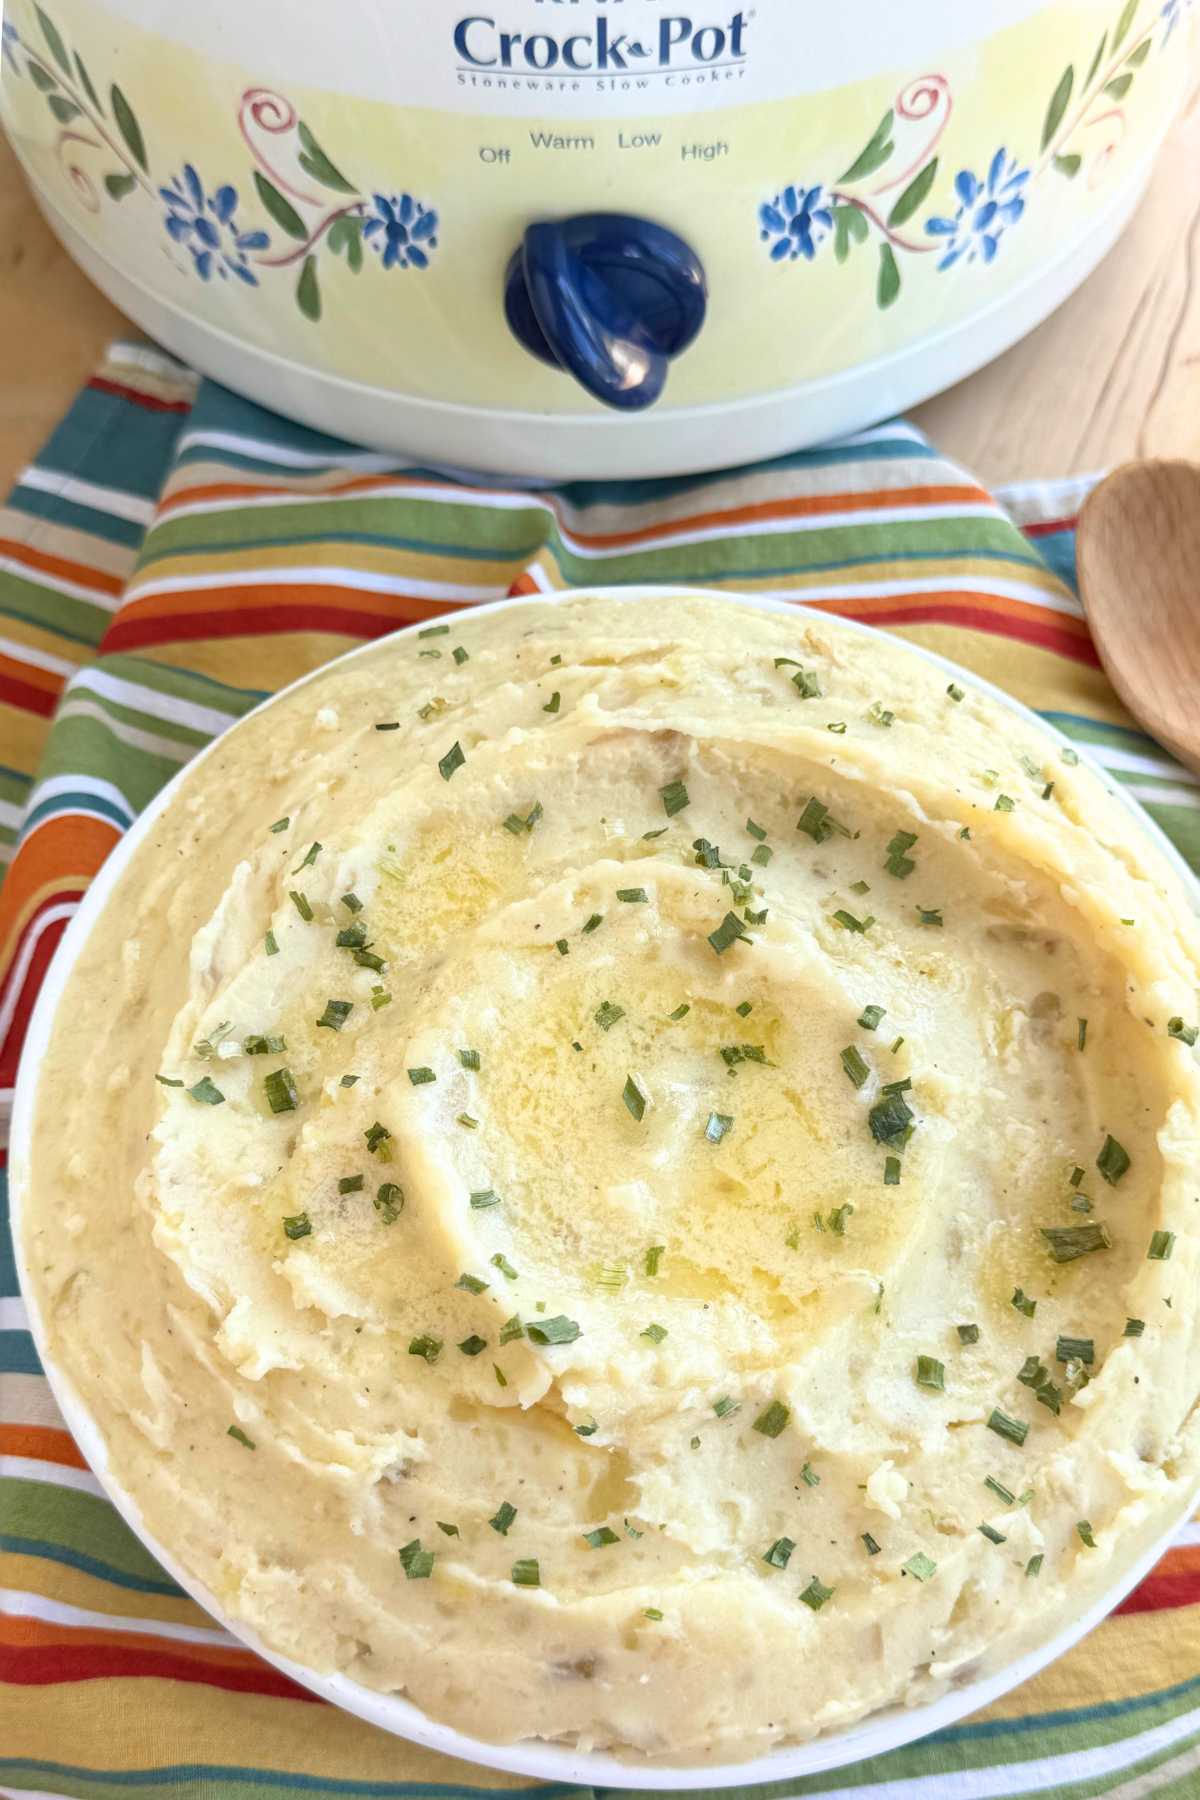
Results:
795 223
402 230
206 226
9 39
1173 12
985 211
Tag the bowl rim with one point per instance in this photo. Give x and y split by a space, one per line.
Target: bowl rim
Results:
888 1729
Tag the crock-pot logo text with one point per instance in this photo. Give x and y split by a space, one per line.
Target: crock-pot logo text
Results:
676 44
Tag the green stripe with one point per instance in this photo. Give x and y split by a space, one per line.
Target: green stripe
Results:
79 621
78 743
83 1522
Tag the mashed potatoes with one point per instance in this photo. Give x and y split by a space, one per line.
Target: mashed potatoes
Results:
631 1171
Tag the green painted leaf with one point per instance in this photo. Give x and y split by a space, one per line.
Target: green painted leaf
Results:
1137 57
128 126
85 81
841 232
308 291
117 186
1100 47
345 235
875 153
281 210
314 162
1068 166
63 109
914 194
1120 87
1124 22
41 78
1059 101
888 286
53 37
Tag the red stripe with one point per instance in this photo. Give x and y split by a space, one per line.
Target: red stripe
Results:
1060 640
254 621
47 944
1048 527
29 698
101 384
41 1665
1164 1591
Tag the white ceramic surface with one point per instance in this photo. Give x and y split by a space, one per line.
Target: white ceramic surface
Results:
551 1762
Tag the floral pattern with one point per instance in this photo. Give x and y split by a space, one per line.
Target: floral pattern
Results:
1083 123
206 225
104 154
985 211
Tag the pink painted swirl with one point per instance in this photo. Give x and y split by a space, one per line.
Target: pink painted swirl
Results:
265 111
926 97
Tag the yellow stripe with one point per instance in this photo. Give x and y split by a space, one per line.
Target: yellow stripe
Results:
63 540
1134 1654
268 662
23 736
391 560
55 1581
1039 678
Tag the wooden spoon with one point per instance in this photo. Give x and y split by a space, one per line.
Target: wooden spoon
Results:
1138 556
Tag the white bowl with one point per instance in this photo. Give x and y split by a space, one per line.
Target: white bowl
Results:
874 1736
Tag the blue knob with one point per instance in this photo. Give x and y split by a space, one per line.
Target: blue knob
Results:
609 298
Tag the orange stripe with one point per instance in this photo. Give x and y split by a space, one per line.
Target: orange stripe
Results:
45 564
281 594
47 681
998 604
58 856
759 512
29 1631
44 1442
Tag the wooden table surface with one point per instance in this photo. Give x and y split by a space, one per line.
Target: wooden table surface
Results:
1114 373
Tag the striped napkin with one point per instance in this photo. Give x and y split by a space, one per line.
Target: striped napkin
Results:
175 554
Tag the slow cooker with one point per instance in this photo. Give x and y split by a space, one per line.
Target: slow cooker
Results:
585 238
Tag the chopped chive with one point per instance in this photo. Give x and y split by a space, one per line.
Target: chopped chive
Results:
1187 1034
471 1284
558 1330
236 1432
855 1067
707 855
472 1346
376 1136
870 1016
511 1330
872 1548
389 725
367 959
807 684
632 896
470 1059
1032 1372
903 1086
1034 1565
592 923
1081 1034
674 798
891 1171
1134 1328
634 1098
311 855
680 1012
1015 1430
648 837
460 655
600 1538
1049 1395
416 1563
351 937
761 855
421 1077
998 1488
504 1515
465 1120
930 1373
1161 1245
1073 1349
1004 803
280 825
389 1201
653 1258
772 1419
920 1566
655 1333
350 1184
426 1347
1113 1161
562 946
931 915
271 1046
552 705
744 1009
848 922
298 1225
281 1091
379 998
809 1476
588 1429
816 1594
890 1119
968 1334
300 902
1084 1528
170 1081
879 714
718 1124
453 759
1021 1301
336 1013
606 1015
434 631
1070 1241
837 726
450 1530
207 1092
526 1573
270 944
501 1377
779 1553
812 820
484 1197
992 1535
756 831
725 1406
955 692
